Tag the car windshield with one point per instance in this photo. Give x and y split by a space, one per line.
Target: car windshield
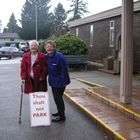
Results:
12 45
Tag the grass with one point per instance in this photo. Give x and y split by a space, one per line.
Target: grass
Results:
75 68
137 76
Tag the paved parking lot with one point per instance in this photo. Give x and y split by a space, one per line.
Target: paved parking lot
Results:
10 61
77 126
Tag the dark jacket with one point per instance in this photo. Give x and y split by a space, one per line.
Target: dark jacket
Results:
39 71
57 70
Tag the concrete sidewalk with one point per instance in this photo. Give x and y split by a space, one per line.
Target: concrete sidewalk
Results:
96 77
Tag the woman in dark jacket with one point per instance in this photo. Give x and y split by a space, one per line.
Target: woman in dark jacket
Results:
33 69
58 78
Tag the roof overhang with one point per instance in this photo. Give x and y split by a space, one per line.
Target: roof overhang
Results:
100 16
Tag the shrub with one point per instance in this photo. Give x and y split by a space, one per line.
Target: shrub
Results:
41 46
69 44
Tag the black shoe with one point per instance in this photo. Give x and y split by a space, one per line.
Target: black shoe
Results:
59 119
55 114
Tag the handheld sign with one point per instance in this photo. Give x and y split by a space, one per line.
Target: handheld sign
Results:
39 109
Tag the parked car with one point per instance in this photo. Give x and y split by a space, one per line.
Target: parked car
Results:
1 45
10 52
25 49
13 45
22 45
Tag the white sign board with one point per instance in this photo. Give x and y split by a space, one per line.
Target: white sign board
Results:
39 109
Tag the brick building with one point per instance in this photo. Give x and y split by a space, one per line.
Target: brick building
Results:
102 34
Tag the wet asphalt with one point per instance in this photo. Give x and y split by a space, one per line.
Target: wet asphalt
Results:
77 126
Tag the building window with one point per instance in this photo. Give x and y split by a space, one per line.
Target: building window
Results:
111 33
77 31
91 35
11 39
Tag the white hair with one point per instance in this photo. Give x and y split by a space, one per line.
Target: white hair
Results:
33 41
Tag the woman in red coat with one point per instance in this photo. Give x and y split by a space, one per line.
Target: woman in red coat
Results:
33 69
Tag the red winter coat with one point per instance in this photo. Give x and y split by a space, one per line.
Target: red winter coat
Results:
39 71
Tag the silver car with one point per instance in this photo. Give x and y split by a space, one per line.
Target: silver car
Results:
10 52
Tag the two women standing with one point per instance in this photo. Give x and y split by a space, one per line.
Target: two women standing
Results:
34 70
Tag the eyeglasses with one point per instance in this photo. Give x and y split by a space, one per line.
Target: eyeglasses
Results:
49 46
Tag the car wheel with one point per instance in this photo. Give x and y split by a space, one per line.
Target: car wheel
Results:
11 56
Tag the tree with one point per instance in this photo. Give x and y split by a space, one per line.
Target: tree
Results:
78 8
28 19
12 26
59 20
5 30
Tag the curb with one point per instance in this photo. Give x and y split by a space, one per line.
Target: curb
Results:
90 83
95 118
134 114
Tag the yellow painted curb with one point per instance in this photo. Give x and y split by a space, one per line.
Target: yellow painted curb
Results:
114 103
110 101
90 83
98 120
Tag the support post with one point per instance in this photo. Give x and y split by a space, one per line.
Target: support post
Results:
127 51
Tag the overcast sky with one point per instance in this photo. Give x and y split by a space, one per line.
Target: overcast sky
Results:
15 6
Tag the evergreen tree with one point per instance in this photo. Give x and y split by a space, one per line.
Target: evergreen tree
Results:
78 8
59 20
28 19
5 30
12 26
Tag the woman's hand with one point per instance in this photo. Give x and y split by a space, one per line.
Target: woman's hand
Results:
22 81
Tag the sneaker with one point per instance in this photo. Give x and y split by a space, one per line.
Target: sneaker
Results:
59 119
55 114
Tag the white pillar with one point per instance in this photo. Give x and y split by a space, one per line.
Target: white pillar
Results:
127 51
